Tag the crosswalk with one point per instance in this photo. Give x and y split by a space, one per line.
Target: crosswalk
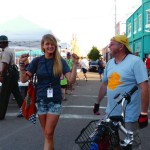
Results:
71 116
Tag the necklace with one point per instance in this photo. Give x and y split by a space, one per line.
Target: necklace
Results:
121 60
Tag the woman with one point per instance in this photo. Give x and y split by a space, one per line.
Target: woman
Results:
50 67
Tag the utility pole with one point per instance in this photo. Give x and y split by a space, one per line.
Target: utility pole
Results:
115 18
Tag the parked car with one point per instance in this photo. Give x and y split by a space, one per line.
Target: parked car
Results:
93 66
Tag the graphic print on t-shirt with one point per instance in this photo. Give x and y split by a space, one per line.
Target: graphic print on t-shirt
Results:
114 81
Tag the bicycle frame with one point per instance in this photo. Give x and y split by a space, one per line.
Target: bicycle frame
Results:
106 131
112 125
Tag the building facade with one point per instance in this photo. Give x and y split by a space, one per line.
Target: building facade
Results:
138 30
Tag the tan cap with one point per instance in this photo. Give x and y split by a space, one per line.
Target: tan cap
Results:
123 40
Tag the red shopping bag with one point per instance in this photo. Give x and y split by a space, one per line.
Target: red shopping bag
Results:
28 106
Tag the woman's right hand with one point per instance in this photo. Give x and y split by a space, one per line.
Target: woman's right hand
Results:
23 58
23 61
75 58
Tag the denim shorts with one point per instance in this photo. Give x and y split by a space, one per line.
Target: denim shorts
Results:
44 107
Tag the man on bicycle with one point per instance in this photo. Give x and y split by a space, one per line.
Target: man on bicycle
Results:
121 74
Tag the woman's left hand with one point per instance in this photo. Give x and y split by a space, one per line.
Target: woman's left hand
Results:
75 58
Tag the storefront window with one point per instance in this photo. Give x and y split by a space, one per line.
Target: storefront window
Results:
129 30
148 18
140 23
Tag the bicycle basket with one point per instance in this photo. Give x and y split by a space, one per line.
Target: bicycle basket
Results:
84 139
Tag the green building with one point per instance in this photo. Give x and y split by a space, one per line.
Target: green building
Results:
138 30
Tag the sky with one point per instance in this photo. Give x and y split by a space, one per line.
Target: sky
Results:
92 21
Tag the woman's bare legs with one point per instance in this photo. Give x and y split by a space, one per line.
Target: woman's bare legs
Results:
48 123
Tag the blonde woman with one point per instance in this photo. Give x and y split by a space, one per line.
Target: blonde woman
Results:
50 67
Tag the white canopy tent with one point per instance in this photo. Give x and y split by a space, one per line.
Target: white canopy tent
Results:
24 36
23 33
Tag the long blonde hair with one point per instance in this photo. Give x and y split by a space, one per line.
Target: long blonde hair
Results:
57 67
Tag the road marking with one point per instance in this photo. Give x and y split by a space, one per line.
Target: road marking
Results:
74 116
79 106
65 116
71 106
12 114
70 116
86 96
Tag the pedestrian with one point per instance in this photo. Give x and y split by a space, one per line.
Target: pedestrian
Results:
147 63
84 64
69 60
63 83
101 67
50 67
122 73
70 64
9 77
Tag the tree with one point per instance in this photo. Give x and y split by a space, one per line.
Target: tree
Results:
94 54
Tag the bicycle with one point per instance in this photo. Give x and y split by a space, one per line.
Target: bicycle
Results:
104 134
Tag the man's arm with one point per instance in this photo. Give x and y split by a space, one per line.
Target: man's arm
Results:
144 96
143 118
101 94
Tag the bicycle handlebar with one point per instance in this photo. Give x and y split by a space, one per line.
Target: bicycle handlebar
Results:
127 96
132 90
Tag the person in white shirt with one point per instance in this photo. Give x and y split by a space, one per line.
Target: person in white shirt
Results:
84 64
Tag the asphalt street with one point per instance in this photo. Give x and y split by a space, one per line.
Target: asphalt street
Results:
19 134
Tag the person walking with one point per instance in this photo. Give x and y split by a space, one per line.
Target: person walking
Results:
48 89
70 64
63 83
84 64
69 60
101 67
122 73
9 77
